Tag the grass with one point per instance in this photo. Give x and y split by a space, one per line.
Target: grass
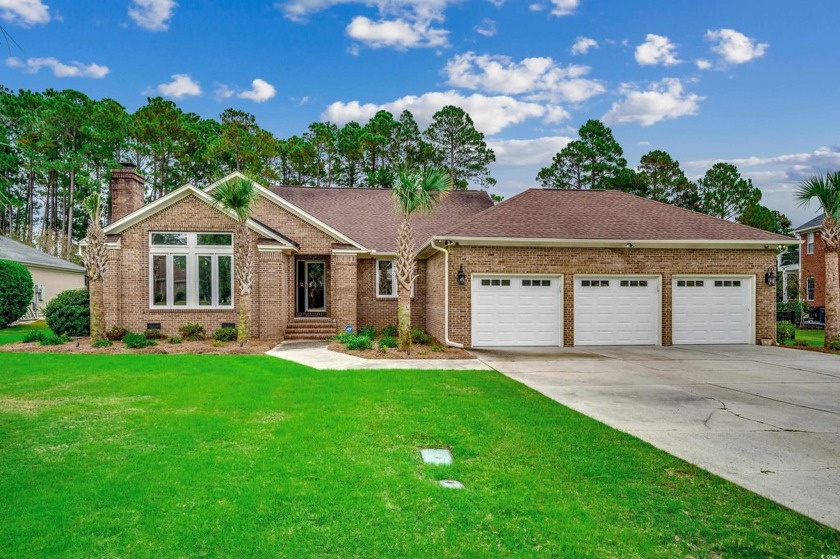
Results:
813 337
14 334
249 456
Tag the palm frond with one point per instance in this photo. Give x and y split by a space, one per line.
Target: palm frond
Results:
418 192
825 189
93 206
236 195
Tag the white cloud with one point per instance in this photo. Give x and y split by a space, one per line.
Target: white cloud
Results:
666 99
491 114
541 78
223 92
564 7
735 47
487 27
59 69
703 64
260 92
25 13
523 153
153 15
182 85
396 33
657 50
583 44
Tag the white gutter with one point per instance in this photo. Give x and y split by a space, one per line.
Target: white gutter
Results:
446 339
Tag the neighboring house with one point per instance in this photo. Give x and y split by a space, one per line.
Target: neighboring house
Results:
50 274
545 267
812 266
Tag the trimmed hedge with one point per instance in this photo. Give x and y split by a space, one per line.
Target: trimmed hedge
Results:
16 286
69 313
785 331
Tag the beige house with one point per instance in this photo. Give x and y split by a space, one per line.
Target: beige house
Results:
545 267
50 274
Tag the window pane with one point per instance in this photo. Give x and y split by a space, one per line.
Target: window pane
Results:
225 283
506 283
386 279
205 281
526 283
159 281
485 282
215 239
168 239
179 280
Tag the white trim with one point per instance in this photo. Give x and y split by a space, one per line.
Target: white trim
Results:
289 207
176 196
814 290
446 339
810 242
490 275
613 243
657 277
753 279
394 281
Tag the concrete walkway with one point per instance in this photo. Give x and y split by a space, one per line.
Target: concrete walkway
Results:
765 418
317 356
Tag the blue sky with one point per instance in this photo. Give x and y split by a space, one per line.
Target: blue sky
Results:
752 82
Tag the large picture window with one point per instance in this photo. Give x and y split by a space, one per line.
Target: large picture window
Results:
191 270
387 286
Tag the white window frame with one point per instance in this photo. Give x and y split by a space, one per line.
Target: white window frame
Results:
395 284
810 288
192 251
810 243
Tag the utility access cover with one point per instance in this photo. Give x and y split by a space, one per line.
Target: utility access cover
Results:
451 484
436 456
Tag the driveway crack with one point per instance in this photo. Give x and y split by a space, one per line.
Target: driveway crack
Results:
723 407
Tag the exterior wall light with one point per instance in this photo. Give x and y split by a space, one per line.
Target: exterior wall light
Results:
770 276
629 245
462 277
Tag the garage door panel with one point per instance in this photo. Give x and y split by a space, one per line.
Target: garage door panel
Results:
620 310
709 310
516 311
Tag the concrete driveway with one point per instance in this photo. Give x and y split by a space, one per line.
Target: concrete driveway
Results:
765 418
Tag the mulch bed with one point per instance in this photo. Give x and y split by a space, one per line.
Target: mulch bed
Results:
418 352
82 345
818 349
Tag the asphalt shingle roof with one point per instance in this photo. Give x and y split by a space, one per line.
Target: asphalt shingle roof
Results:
816 222
18 252
369 215
600 215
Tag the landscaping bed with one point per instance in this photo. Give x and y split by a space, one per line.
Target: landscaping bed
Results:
83 345
417 352
371 343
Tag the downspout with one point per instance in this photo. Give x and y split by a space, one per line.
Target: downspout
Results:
446 340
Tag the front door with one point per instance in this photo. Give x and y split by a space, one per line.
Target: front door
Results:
312 286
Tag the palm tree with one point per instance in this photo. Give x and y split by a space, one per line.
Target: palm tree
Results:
238 197
413 192
826 190
95 259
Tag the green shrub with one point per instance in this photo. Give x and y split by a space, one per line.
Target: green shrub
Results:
225 334
785 331
116 333
34 336
387 341
368 331
192 332
359 343
800 343
54 339
437 348
390 330
345 337
175 340
154 334
69 313
16 287
137 341
217 343
418 336
102 343
834 344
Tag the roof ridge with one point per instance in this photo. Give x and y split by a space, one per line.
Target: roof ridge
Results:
484 211
359 188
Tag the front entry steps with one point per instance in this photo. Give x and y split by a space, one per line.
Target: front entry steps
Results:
310 328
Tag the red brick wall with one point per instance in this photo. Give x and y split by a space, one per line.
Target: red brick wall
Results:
435 311
377 312
813 265
571 261
344 285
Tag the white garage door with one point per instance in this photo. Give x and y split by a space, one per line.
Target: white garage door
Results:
709 310
618 310
515 311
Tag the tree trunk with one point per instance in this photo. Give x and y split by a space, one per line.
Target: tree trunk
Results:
242 330
68 247
406 272
244 263
30 211
404 319
97 310
832 296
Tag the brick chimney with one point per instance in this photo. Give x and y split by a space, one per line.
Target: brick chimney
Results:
128 189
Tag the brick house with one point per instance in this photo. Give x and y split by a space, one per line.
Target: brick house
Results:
812 266
542 268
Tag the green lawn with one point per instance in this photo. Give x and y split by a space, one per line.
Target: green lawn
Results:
249 456
813 337
14 334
